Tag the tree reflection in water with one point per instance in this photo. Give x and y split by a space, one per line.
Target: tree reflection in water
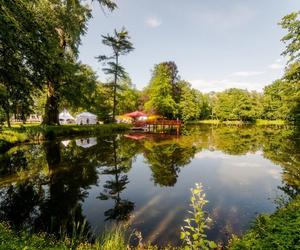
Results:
44 187
165 160
116 166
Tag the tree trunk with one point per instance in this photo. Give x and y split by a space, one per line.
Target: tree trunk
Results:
114 104
115 90
51 107
52 103
7 118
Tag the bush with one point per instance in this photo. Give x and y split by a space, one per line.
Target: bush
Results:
12 241
280 230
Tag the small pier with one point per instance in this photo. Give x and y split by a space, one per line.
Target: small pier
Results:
159 126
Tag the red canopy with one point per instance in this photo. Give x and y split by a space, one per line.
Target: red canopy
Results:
135 114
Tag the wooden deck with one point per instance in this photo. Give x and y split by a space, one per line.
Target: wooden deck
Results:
158 126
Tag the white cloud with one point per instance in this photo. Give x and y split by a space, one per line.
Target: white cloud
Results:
211 155
153 22
276 66
247 73
233 17
220 85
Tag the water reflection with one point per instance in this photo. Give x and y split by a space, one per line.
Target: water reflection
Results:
165 160
145 180
86 142
116 167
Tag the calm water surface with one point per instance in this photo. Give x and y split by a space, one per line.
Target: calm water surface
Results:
146 180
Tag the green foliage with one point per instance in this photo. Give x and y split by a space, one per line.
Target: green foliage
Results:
190 102
193 233
288 89
103 102
128 98
280 230
274 102
79 93
236 104
160 92
291 23
12 241
282 99
114 239
165 161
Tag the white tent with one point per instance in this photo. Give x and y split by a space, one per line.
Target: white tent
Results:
66 143
86 118
65 117
86 142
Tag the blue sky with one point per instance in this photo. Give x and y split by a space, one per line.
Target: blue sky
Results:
216 44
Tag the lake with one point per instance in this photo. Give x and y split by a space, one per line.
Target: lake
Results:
145 180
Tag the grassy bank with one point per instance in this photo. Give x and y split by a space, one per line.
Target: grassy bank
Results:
280 230
257 122
31 133
10 240
115 240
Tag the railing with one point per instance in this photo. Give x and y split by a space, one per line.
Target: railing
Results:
159 126
157 122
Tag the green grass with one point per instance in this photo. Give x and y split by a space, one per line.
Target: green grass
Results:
49 132
270 122
205 122
257 122
218 122
10 137
111 240
114 240
10 240
280 230
30 133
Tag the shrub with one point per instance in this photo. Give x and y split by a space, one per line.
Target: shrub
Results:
193 233
280 230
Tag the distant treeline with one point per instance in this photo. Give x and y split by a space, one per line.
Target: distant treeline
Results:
175 98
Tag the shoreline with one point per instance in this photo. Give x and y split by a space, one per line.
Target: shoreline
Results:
258 122
10 137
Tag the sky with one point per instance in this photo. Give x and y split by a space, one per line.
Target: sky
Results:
216 44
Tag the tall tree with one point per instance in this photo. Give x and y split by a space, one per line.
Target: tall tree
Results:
22 47
68 23
291 23
161 99
275 104
190 104
121 45
39 42
174 79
